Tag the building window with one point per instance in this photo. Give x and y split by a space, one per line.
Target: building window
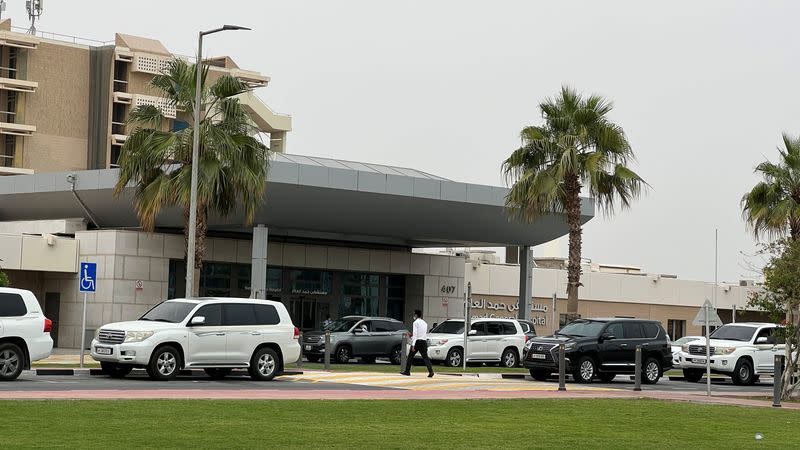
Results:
395 296
178 125
9 150
215 281
676 329
274 279
314 282
116 150
360 295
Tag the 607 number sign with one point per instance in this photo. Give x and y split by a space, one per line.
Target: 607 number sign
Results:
448 289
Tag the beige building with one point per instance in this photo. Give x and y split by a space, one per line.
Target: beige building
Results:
64 105
607 291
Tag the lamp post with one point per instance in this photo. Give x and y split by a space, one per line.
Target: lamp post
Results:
190 250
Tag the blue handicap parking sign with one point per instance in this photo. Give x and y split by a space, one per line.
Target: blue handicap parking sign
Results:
88 275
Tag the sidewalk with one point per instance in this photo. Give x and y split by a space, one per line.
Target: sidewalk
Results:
64 357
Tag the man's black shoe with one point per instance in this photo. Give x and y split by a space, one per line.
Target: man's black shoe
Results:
405 373
430 375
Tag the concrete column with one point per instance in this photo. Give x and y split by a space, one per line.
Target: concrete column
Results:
258 274
525 282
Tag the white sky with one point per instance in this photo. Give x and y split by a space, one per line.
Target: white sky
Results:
703 90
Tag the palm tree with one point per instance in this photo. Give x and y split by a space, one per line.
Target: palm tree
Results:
772 208
157 157
577 148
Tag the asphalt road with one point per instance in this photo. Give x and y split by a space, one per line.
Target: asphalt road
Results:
140 381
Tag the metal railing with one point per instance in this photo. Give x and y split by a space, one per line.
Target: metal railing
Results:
63 37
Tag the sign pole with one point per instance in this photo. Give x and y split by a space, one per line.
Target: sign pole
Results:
708 352
467 302
554 313
83 330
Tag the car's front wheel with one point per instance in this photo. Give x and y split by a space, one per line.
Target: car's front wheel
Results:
540 375
165 363
115 370
11 361
343 354
509 358
217 373
585 370
743 373
454 358
692 375
264 364
651 372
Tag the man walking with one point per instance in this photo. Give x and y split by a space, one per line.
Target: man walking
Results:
419 343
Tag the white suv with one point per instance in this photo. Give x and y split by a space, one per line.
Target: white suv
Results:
742 351
215 334
24 332
490 340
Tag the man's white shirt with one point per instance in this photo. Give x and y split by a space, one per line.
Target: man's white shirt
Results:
420 331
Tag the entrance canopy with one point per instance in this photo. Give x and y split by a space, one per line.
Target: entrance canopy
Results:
313 198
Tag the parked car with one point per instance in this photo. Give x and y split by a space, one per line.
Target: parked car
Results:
489 341
214 334
602 348
676 349
24 332
361 337
742 351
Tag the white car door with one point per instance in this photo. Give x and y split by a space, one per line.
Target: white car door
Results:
207 342
494 340
476 343
765 350
239 321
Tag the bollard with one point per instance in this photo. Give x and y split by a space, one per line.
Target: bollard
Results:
637 370
777 377
327 350
300 356
403 353
562 369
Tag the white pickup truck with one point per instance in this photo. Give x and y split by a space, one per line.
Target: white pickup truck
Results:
742 351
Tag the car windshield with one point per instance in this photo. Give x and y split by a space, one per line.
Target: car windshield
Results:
342 324
449 327
685 339
170 311
733 333
582 328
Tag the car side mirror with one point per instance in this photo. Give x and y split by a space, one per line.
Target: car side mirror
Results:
472 332
606 337
198 320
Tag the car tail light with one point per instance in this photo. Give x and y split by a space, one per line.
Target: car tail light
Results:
296 333
48 325
527 338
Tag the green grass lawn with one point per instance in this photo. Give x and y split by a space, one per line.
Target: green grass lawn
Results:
376 424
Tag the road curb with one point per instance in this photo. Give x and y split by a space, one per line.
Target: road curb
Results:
96 372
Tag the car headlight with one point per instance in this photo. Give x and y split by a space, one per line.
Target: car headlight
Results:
437 342
528 345
97 334
724 350
685 348
137 336
569 346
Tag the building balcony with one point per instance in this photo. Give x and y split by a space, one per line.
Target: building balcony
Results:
13 84
6 171
19 40
17 129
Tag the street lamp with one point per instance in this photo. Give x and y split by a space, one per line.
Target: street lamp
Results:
190 250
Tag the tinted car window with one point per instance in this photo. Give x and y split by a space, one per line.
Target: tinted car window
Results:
734 333
171 312
266 315
382 326
494 328
650 330
509 328
450 327
397 326
238 314
616 330
526 327
365 325
12 305
212 313
632 330
480 327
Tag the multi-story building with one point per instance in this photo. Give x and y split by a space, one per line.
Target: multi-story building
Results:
64 102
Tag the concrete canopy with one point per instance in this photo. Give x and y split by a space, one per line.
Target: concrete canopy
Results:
313 198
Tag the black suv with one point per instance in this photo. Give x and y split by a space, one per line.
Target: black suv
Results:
602 348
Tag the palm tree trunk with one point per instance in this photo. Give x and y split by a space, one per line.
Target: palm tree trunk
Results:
200 244
573 207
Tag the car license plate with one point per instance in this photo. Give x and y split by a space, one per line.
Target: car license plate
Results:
103 350
538 356
699 361
308 347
